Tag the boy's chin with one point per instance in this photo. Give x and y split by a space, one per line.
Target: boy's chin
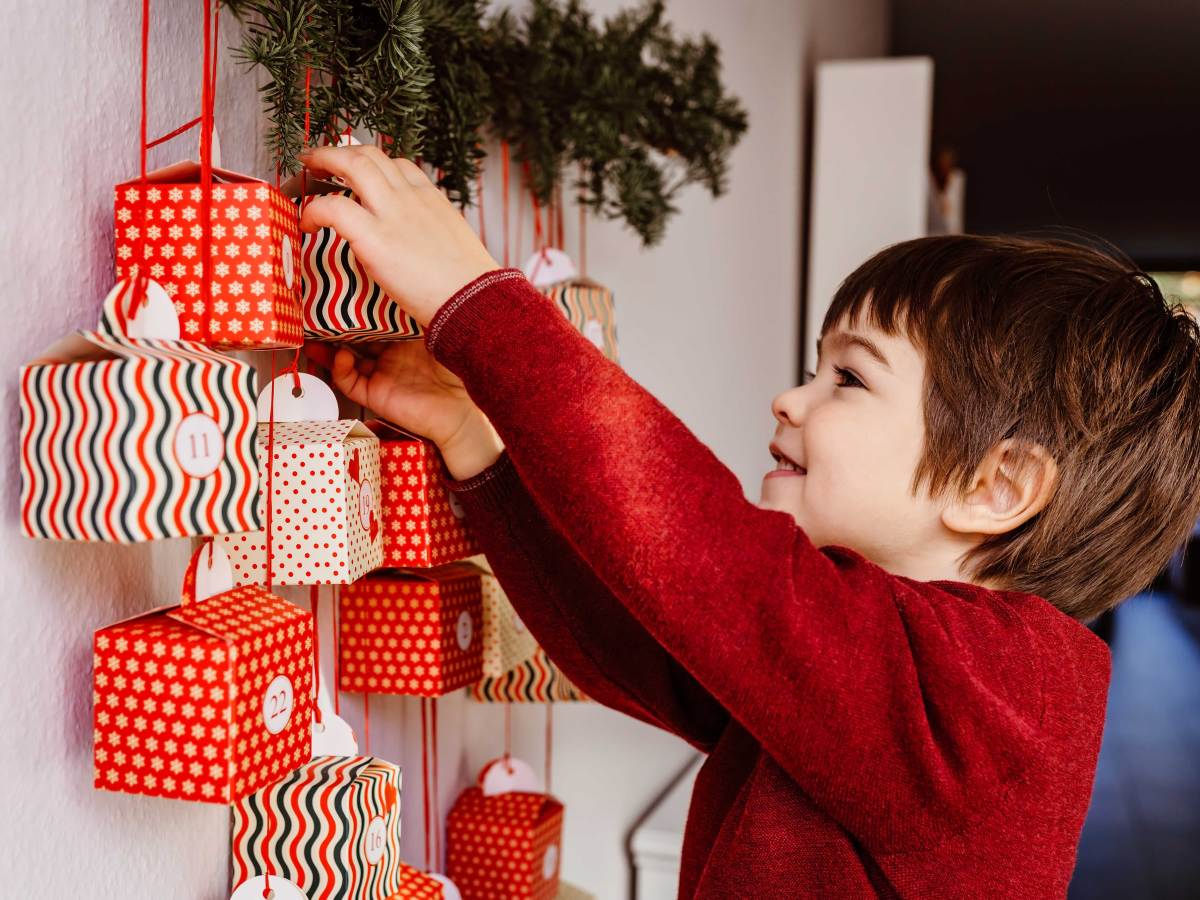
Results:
775 504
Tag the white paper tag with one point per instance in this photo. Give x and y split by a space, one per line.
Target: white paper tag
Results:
376 839
277 704
449 890
256 889
214 574
464 630
594 332
549 266
518 775
333 736
550 862
315 402
289 264
154 319
199 445
366 504
455 506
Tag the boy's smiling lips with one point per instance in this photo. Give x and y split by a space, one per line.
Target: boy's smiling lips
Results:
786 465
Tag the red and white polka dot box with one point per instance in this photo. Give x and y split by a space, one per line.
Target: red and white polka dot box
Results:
416 885
209 700
254 245
504 846
423 523
414 633
323 478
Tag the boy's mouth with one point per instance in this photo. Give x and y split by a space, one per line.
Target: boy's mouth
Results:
784 463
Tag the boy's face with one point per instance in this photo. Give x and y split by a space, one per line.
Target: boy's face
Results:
857 430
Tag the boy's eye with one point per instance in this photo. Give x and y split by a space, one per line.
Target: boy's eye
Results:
847 374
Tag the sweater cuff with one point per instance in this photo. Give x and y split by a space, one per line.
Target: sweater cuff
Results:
454 319
487 487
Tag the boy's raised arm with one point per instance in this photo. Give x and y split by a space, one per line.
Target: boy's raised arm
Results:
593 638
846 674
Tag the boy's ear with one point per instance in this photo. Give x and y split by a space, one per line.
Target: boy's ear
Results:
1013 483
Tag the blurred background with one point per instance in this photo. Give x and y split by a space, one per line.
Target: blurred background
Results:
871 121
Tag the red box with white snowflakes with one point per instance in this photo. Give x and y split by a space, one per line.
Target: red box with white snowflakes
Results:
504 846
414 633
325 510
254 242
423 523
207 700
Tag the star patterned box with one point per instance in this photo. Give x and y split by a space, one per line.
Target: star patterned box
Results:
209 700
413 633
423 522
254 237
504 846
332 827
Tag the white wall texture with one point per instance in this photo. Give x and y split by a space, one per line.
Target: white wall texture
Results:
708 322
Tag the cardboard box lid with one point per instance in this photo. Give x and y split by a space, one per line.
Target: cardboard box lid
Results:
245 611
386 431
96 346
314 432
515 809
443 574
188 171
308 186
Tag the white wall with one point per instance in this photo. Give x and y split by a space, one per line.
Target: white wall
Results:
708 322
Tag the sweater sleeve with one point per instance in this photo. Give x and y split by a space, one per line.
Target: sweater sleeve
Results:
592 637
901 709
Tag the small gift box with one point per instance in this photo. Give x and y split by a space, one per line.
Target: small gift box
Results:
411 633
507 643
423 523
341 302
208 700
536 680
589 307
253 237
131 435
504 846
416 885
323 475
332 827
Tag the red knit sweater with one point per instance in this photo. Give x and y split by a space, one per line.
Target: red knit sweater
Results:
868 735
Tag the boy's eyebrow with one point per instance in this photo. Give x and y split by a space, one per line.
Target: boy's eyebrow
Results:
841 338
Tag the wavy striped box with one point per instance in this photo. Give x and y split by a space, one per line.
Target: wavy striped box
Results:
589 307
504 845
332 827
205 701
341 302
412 633
254 237
536 680
128 440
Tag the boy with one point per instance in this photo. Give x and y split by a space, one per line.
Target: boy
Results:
1000 441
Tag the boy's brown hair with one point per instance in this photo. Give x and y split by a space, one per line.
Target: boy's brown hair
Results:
1067 345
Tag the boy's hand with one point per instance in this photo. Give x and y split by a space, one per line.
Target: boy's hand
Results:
404 384
410 239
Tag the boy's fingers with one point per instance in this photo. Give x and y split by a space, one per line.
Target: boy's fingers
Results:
321 354
347 378
411 172
361 171
336 211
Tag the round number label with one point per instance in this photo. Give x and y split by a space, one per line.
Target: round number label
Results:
455 506
289 265
550 862
256 889
277 704
199 445
594 332
366 503
465 630
376 838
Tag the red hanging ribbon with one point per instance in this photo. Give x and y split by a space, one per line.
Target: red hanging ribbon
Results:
508 736
337 650
437 811
425 778
314 602
366 723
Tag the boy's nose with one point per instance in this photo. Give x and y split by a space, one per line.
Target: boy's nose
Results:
788 407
